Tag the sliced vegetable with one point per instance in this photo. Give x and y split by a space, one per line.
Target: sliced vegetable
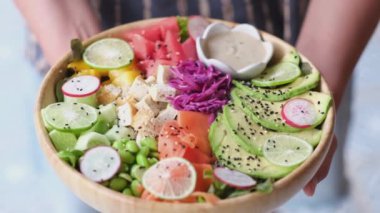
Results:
81 89
279 74
62 140
108 53
299 113
100 163
285 150
234 178
70 117
91 139
170 179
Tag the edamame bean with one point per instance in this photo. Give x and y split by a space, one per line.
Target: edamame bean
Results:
137 172
142 160
149 142
127 191
132 146
126 176
136 188
119 145
144 151
152 161
154 155
127 157
118 184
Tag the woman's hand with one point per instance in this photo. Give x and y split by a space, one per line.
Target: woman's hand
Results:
55 23
333 37
321 174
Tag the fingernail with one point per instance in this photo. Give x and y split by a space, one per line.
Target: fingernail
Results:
309 189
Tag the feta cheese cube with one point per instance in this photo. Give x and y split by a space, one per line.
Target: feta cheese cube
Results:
161 92
142 118
139 89
108 94
147 103
150 80
167 114
125 114
163 74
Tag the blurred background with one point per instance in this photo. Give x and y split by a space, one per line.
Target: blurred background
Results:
28 184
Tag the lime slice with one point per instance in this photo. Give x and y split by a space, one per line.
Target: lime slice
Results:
171 179
279 74
70 117
285 150
108 53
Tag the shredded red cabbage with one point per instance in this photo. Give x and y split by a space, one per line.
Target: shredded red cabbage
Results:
200 88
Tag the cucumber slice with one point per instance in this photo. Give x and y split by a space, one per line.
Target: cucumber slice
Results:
46 124
118 132
108 53
62 140
108 113
70 117
101 126
90 140
279 74
285 150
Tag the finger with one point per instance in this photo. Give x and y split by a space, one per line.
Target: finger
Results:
321 174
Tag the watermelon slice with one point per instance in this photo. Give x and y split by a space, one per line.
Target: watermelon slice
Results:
161 51
189 49
197 124
142 47
168 24
152 33
175 51
203 182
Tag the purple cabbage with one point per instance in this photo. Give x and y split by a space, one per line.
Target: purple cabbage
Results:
200 88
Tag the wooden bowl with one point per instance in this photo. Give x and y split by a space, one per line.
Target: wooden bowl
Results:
107 200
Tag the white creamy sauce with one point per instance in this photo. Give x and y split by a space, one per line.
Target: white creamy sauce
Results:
236 49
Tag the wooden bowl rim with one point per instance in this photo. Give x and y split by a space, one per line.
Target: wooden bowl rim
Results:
49 150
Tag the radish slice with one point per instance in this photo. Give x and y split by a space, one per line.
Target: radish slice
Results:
234 178
196 26
81 86
299 113
100 163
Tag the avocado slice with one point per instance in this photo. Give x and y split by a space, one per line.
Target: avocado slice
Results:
301 85
215 134
231 154
253 135
292 57
268 114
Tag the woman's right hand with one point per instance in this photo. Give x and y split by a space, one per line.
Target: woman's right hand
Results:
55 23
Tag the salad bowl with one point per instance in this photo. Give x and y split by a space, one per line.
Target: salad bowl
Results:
107 200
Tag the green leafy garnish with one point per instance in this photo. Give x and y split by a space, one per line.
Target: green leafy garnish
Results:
266 186
207 174
238 193
201 199
71 157
182 23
